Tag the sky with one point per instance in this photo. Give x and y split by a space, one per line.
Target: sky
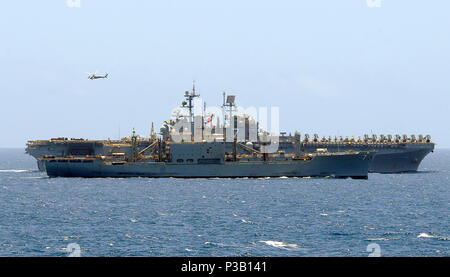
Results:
331 67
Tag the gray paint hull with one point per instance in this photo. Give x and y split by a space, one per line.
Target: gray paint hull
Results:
388 158
346 165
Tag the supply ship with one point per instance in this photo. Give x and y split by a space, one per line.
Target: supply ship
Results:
210 159
186 148
391 154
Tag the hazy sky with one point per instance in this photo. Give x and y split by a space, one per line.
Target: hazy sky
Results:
335 67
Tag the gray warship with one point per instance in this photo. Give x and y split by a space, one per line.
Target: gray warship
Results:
391 154
189 150
209 159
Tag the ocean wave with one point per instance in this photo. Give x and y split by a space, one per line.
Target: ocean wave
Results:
381 239
425 236
280 244
35 177
216 244
66 238
16 170
340 234
390 233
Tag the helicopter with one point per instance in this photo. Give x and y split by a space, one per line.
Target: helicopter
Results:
95 76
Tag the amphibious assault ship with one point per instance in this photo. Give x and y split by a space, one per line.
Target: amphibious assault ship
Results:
187 148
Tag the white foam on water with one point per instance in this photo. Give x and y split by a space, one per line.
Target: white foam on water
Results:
425 235
66 238
280 244
324 214
379 239
15 170
215 244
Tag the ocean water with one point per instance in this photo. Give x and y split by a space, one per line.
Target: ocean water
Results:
388 215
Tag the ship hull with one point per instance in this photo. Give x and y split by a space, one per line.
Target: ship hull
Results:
388 158
63 148
41 165
407 161
339 166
